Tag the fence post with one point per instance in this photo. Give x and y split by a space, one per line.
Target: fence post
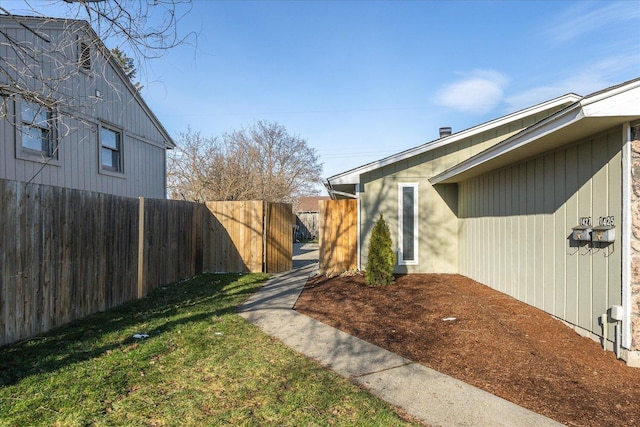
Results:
265 246
141 248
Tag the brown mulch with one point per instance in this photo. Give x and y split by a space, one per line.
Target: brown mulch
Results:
496 343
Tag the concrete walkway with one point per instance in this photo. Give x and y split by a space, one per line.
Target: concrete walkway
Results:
430 396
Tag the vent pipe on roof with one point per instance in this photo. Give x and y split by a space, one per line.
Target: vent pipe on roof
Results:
445 131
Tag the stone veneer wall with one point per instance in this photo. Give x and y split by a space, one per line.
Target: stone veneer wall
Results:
635 239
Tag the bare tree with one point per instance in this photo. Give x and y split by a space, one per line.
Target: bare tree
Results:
282 167
192 167
146 28
140 30
260 162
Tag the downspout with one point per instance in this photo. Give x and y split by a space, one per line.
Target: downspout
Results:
330 189
333 193
604 319
358 218
626 235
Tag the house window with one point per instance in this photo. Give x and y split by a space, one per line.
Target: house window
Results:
408 223
84 56
110 149
37 130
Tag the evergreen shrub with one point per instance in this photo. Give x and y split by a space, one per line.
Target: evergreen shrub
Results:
382 258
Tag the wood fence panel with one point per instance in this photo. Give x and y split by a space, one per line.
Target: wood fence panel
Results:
68 253
240 226
64 254
169 246
256 245
307 225
279 220
11 239
337 236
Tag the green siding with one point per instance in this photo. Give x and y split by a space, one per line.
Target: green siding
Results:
515 225
439 251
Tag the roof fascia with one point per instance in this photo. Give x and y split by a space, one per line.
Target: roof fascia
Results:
619 101
586 107
557 121
353 176
169 142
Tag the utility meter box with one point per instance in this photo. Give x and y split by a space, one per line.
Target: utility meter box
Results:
581 233
616 312
604 234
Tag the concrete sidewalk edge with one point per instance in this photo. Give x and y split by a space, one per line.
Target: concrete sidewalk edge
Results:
435 398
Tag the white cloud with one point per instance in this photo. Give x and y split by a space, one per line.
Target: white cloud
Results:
582 18
537 95
591 78
477 93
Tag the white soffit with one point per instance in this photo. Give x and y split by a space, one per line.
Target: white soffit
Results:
353 176
594 113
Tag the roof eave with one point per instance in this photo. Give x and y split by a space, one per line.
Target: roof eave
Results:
599 110
352 176
454 174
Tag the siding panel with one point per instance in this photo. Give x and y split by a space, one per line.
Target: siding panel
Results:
532 263
539 236
585 273
549 233
521 217
523 231
573 248
600 208
561 229
78 162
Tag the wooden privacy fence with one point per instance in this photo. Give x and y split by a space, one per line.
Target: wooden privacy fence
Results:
259 236
338 238
67 253
278 221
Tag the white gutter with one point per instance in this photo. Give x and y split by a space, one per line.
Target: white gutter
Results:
620 101
328 187
562 119
333 193
342 193
353 176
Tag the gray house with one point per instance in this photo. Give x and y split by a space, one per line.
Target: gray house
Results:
69 115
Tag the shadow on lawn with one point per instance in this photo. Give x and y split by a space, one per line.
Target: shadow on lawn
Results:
165 309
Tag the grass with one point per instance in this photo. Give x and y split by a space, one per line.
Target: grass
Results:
202 364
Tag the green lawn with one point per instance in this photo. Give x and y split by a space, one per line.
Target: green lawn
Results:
201 365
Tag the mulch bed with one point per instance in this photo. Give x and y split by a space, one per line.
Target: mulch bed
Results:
485 338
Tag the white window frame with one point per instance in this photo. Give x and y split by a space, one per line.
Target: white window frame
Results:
401 187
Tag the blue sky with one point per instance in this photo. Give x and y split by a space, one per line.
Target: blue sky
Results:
363 80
